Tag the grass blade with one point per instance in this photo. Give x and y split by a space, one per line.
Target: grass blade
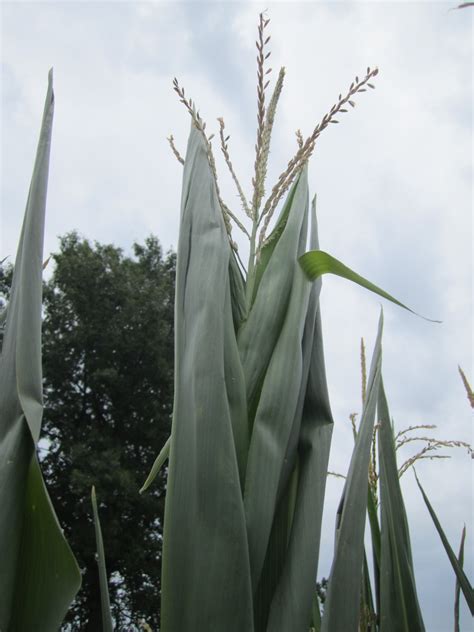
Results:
39 575
107 625
399 608
342 606
318 262
457 591
205 572
457 568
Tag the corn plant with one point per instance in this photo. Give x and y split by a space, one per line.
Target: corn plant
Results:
252 425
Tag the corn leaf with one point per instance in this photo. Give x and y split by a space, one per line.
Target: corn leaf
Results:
272 240
237 292
258 335
38 575
374 526
291 606
376 543
318 262
368 616
157 465
107 625
457 590
270 343
341 611
457 568
399 608
276 553
205 571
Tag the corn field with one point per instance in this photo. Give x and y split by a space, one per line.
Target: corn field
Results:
252 425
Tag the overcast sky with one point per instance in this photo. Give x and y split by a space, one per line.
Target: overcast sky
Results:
394 183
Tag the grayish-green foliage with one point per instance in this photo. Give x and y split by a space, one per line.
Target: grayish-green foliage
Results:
205 578
251 424
341 612
38 575
464 582
399 608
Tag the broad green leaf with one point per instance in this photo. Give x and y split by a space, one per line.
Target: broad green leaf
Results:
308 346
236 391
205 569
157 465
107 625
341 612
276 553
317 262
457 591
310 440
272 240
287 485
259 334
270 342
399 608
39 576
291 605
457 568
47 576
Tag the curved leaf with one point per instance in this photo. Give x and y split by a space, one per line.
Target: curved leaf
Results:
399 607
38 574
457 568
457 591
318 262
270 344
157 465
310 440
341 610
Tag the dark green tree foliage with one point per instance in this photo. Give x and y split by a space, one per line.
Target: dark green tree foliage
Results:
108 384
6 276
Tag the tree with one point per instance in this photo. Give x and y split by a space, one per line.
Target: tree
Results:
108 384
6 276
